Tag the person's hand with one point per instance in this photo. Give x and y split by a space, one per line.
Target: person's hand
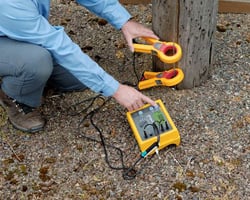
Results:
132 30
131 98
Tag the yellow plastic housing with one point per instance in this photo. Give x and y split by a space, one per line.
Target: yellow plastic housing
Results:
160 52
171 137
152 80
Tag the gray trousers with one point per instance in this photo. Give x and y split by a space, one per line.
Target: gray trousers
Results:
26 69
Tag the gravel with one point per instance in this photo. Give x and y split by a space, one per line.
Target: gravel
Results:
212 161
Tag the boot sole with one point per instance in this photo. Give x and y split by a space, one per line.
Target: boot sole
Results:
32 130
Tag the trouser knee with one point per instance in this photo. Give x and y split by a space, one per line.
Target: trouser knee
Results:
38 68
24 77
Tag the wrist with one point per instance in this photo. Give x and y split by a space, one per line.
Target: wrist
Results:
128 21
116 93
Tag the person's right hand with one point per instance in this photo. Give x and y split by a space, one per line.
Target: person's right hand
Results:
131 98
132 30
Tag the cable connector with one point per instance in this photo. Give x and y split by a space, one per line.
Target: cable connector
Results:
153 147
157 153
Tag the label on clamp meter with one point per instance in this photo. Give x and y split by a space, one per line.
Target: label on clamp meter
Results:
151 124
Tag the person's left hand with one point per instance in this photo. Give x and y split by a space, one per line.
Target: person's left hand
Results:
132 29
131 98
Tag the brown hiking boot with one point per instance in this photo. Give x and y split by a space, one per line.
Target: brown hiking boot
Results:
22 116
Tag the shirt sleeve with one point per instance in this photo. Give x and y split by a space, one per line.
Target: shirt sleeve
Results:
22 21
111 10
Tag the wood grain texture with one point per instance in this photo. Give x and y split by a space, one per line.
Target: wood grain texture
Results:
190 23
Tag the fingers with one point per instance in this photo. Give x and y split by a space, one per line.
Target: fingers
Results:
148 100
143 31
137 104
140 103
131 98
130 44
133 30
150 34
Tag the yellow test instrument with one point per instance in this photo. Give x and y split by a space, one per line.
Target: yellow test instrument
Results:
153 128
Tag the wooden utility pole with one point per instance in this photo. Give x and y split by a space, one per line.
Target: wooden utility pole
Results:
191 24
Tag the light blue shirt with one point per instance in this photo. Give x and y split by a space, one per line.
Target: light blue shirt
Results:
27 20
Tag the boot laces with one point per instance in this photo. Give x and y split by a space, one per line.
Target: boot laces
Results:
22 107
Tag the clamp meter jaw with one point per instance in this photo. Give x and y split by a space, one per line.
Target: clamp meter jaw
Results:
160 49
153 128
167 78
167 52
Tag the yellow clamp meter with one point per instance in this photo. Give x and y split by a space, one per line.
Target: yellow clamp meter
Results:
153 128
167 78
168 52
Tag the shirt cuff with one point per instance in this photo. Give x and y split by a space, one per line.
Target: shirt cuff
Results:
118 17
110 87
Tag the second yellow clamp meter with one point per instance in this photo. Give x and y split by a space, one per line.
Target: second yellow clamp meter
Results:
167 52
